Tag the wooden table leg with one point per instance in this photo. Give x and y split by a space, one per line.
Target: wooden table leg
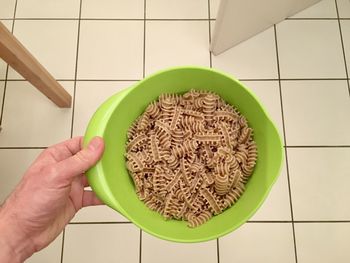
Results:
20 59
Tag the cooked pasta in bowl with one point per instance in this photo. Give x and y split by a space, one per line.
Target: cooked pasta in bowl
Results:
190 154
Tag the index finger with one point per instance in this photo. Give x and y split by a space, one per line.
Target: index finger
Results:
61 151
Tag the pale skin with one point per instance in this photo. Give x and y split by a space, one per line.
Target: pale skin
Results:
50 193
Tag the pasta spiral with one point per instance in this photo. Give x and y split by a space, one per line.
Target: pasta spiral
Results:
190 156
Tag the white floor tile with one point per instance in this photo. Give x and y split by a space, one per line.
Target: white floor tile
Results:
345 26
258 242
47 9
110 50
323 242
315 112
253 58
177 9
53 43
174 43
323 9
101 243
51 254
31 119
131 9
14 163
344 8
7 8
3 65
310 49
319 183
89 96
214 8
269 95
99 213
155 250
277 204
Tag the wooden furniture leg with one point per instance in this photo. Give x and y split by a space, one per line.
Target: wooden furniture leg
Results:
20 59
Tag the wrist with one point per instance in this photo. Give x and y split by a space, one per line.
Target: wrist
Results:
15 246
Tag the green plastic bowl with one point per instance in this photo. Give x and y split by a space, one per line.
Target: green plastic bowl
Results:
110 180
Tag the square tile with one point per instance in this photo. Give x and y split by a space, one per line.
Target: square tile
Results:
269 95
101 243
177 9
89 96
47 9
345 26
110 50
258 242
344 8
254 58
277 204
52 42
312 180
214 8
131 9
7 8
3 65
323 9
51 254
310 49
323 242
100 213
315 112
174 43
155 250
31 119
14 163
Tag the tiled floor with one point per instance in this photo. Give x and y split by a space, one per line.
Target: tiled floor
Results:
298 68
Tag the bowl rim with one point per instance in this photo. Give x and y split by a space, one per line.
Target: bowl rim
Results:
95 174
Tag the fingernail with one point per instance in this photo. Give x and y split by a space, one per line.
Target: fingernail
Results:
95 143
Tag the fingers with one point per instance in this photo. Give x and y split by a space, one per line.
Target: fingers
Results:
74 145
90 199
84 181
60 151
81 161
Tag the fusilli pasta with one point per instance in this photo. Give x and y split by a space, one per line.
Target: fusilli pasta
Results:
190 156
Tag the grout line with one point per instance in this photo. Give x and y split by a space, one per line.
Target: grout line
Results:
62 248
297 221
23 148
112 19
73 100
342 45
218 250
79 80
249 221
321 221
317 146
285 143
253 79
209 24
144 40
143 75
99 223
140 247
311 18
75 73
156 19
7 70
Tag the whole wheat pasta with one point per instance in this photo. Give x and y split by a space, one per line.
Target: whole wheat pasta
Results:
190 156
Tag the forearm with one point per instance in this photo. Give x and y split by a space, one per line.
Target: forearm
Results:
14 245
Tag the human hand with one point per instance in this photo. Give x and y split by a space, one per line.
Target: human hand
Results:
47 198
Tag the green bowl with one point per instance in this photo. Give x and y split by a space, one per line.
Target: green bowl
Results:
110 180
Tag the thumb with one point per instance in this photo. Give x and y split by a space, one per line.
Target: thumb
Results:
81 161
